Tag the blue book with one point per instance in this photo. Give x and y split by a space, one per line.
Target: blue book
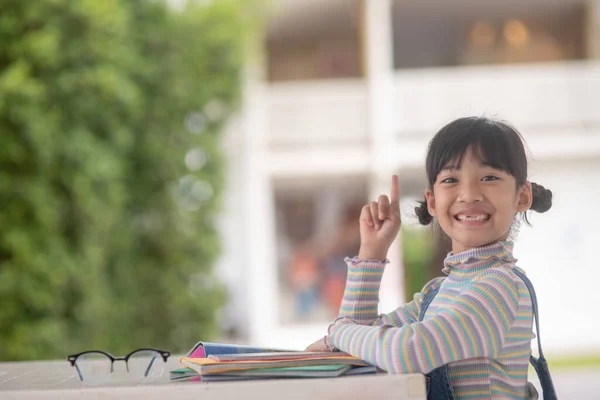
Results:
205 349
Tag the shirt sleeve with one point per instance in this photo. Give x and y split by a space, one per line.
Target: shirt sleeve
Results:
475 324
361 296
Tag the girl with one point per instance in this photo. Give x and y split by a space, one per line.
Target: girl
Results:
469 332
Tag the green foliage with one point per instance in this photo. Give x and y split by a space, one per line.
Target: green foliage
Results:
107 238
418 249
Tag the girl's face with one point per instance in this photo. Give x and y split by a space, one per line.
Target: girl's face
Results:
475 204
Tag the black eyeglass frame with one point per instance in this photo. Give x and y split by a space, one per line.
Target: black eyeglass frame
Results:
73 359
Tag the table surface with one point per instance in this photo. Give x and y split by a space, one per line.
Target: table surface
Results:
58 380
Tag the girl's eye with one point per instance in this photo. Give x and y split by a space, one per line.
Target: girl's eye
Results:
489 178
449 180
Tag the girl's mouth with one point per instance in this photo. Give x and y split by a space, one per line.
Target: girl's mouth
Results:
472 217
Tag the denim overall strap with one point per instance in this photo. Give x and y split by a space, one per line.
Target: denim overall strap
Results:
425 303
439 386
539 364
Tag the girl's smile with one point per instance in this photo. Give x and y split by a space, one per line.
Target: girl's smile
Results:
472 217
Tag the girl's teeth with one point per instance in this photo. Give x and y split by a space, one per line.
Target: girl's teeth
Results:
473 218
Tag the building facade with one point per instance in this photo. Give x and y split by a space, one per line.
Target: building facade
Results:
349 92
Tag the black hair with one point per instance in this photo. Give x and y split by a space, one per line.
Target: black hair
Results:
497 143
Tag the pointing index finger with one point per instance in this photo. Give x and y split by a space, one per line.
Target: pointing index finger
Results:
395 194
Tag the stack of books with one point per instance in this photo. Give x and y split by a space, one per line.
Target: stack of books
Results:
218 362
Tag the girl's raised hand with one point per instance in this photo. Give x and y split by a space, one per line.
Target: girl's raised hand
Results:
379 224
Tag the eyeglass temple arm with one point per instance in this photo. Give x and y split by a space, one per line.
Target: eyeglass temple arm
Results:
72 360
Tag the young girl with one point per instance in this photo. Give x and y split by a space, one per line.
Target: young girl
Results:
470 332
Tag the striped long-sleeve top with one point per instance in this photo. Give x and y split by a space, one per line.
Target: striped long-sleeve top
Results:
480 323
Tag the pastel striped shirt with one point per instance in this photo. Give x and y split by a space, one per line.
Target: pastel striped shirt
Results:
480 323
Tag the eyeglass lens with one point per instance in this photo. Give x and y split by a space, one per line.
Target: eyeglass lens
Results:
146 364
93 367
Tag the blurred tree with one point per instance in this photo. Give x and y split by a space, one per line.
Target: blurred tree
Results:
110 171
424 251
418 249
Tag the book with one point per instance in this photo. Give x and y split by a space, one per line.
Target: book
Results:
206 349
313 371
272 356
371 369
183 374
209 366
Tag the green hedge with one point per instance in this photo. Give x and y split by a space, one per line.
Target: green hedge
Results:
418 252
107 237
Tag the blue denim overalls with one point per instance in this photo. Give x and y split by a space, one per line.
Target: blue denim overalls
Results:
439 386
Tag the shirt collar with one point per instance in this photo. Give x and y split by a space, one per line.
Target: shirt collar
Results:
479 258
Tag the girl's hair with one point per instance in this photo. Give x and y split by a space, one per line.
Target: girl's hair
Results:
496 143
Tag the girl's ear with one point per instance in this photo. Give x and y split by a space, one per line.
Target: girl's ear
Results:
524 197
430 202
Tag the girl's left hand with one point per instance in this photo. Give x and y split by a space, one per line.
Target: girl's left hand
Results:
318 346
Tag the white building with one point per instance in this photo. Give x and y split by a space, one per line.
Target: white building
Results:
352 91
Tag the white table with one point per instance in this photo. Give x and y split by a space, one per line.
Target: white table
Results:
57 380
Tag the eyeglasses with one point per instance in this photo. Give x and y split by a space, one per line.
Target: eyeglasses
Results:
95 366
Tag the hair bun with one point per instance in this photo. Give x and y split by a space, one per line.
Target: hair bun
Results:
542 198
423 213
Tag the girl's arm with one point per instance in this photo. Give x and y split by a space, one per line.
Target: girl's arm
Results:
361 297
475 325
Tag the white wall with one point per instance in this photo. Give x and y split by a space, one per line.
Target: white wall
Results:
561 254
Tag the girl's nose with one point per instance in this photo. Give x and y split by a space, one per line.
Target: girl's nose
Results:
470 192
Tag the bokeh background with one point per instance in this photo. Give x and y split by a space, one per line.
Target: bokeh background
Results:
175 171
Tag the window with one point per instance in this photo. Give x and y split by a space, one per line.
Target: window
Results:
316 227
427 35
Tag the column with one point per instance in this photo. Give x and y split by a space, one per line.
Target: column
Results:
256 206
379 72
